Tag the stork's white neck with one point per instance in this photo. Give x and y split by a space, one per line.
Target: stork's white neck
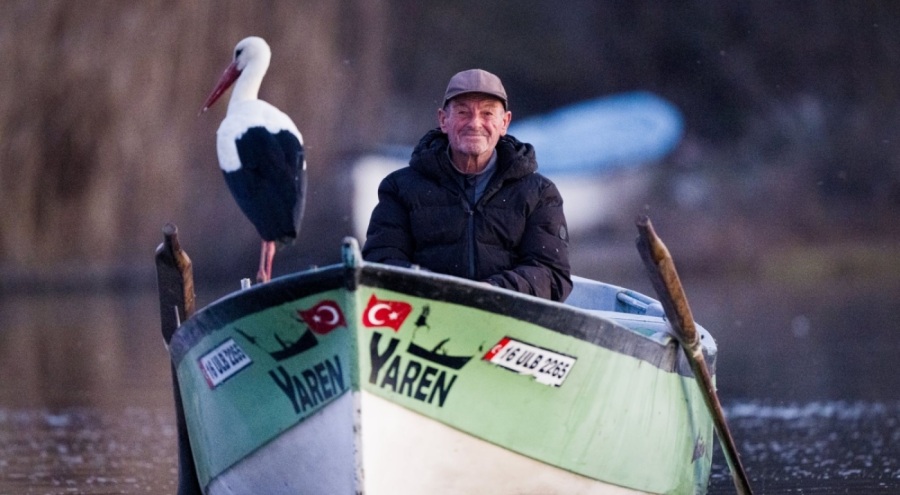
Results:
247 85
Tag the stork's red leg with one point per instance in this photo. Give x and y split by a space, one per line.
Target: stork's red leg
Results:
267 253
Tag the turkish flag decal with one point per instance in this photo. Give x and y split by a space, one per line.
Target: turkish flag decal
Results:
323 317
383 313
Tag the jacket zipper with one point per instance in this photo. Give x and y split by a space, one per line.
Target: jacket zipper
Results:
471 205
471 240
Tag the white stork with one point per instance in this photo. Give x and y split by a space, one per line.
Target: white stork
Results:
260 152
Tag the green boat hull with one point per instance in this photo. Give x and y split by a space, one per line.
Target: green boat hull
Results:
365 378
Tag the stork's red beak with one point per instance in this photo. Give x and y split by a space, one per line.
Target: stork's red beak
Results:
228 77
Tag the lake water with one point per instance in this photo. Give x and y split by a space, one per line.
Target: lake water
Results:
807 380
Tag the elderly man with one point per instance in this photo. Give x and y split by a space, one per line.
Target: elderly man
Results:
471 203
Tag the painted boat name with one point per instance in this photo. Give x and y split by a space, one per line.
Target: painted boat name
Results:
314 386
410 377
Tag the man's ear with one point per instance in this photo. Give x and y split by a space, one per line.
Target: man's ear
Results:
507 118
441 117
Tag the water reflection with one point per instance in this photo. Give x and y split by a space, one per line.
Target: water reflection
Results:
82 350
833 341
807 380
85 403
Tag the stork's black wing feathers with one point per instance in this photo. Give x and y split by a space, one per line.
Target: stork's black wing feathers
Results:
270 186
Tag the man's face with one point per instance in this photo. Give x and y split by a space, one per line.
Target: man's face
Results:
474 123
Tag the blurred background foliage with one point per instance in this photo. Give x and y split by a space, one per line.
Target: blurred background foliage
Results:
791 111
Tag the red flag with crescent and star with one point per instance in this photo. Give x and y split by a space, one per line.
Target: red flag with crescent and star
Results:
384 313
323 317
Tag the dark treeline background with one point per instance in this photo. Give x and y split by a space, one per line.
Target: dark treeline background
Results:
789 154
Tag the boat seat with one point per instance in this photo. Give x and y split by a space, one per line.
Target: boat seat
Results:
600 296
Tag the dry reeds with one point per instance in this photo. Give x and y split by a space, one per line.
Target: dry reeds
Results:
100 143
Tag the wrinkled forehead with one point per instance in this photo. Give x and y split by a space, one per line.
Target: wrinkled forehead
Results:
475 99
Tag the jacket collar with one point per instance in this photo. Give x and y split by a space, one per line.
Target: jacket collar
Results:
515 159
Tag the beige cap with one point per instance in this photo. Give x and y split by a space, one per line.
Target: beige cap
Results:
475 81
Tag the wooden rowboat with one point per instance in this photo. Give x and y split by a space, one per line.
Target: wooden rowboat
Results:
366 378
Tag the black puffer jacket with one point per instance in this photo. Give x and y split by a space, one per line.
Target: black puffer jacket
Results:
514 237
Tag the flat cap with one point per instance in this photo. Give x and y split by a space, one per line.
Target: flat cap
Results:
475 81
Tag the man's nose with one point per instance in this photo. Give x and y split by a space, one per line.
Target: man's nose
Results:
475 121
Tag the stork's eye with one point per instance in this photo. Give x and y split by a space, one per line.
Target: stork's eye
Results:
237 53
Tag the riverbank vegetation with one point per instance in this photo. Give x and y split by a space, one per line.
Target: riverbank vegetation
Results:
790 115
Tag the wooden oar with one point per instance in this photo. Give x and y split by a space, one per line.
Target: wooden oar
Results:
665 280
175 282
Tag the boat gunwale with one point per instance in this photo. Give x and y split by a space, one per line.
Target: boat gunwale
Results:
592 326
240 303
